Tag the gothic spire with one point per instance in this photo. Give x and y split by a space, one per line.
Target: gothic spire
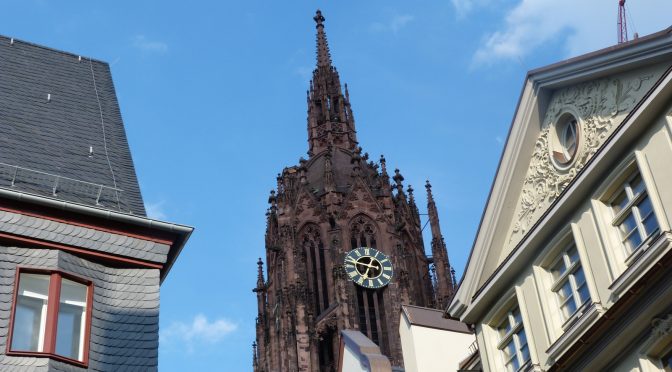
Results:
330 119
445 284
432 212
323 56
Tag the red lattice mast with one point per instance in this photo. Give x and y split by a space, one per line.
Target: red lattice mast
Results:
622 24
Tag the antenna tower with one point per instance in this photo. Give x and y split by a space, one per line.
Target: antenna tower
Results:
622 24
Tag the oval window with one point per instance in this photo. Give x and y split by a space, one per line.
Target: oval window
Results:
566 141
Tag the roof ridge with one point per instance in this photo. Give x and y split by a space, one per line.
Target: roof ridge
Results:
15 40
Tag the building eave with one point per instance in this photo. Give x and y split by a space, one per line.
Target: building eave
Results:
180 233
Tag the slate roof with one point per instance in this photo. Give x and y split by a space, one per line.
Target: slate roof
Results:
61 131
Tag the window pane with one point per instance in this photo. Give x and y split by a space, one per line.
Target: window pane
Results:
637 185
504 329
565 291
28 324
628 225
524 348
30 316
579 277
633 241
509 349
516 316
619 202
525 353
69 334
522 338
568 308
650 224
583 293
645 206
558 269
513 365
573 254
648 217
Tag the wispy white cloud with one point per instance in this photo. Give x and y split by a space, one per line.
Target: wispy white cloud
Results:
156 210
199 331
304 72
464 7
394 24
143 43
578 25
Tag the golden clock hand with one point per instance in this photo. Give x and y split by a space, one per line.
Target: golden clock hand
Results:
367 265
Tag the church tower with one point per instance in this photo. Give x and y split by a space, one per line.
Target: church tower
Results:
344 246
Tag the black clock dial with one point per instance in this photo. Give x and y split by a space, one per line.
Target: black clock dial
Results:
368 267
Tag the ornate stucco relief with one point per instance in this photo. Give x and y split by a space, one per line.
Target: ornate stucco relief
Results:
599 106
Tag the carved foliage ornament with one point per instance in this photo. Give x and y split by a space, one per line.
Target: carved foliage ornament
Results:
597 105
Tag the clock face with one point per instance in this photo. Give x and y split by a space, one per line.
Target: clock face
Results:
368 267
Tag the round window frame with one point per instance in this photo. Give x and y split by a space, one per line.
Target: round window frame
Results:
556 145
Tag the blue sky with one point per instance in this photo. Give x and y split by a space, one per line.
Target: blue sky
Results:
213 99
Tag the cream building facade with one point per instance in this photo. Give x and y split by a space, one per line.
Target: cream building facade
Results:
571 268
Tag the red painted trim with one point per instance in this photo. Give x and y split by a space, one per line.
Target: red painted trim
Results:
48 355
51 327
87 328
82 251
88 226
11 317
53 303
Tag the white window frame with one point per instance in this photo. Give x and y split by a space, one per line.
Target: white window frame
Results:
43 313
632 208
617 256
569 275
512 336
561 331
494 342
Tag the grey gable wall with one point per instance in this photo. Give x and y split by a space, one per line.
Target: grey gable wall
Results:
125 321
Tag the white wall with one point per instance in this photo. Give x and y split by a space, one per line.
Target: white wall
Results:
432 350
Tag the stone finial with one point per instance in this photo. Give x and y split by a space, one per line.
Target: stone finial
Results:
430 197
260 276
398 178
323 56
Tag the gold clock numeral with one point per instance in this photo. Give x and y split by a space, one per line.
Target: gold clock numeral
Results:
370 283
358 253
352 273
387 268
380 282
360 280
386 276
367 251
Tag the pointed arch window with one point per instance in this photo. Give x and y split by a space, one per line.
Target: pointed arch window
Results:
316 266
370 303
